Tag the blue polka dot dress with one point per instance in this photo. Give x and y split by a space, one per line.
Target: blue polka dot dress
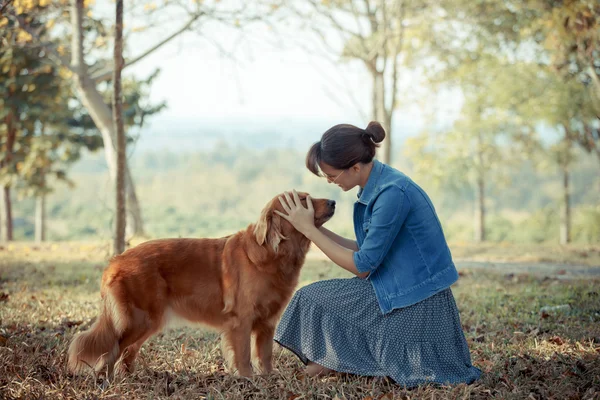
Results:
338 324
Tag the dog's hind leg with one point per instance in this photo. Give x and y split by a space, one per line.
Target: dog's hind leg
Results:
134 337
129 355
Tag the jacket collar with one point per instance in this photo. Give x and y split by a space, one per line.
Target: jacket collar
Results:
366 194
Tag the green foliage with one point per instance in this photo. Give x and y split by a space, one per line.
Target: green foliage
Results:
541 226
211 193
587 225
36 114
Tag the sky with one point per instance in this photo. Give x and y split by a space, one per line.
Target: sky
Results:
264 80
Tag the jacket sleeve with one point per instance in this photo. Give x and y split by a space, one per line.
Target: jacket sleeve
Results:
389 213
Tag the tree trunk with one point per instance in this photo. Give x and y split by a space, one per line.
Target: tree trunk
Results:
382 116
595 89
565 212
119 243
40 218
7 213
374 97
479 232
480 210
101 115
6 201
387 125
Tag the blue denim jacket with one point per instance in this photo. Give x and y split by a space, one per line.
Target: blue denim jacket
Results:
400 240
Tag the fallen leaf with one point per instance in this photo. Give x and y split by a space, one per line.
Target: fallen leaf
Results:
556 340
69 324
3 340
4 296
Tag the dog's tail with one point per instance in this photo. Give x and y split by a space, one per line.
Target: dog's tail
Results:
98 347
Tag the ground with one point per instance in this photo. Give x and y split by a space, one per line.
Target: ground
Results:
50 292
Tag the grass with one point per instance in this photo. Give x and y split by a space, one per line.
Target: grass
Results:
50 292
576 254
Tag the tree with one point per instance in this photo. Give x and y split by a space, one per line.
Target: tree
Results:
553 46
571 34
562 35
568 109
52 125
27 88
372 32
89 36
119 242
488 137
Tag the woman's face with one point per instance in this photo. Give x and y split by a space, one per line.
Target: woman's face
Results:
346 179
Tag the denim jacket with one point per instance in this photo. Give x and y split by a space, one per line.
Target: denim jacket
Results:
400 240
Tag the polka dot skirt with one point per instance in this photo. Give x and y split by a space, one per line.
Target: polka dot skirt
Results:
338 324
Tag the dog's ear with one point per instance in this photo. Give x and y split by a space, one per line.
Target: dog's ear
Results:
268 228
262 226
274 232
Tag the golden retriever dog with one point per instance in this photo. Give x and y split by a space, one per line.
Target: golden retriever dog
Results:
238 284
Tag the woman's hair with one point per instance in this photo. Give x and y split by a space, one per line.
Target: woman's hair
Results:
344 145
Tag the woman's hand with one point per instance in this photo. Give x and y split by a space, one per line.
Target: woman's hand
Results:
302 218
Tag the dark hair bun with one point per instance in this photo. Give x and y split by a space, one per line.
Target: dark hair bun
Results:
376 131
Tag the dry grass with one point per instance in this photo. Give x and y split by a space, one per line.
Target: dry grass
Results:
47 294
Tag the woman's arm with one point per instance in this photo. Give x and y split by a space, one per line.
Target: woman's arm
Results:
303 220
342 256
342 241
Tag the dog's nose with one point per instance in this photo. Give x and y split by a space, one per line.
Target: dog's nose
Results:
331 203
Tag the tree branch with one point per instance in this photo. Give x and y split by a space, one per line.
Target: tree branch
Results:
5 5
340 28
106 74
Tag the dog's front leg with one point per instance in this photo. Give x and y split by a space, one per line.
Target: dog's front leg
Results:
238 340
263 345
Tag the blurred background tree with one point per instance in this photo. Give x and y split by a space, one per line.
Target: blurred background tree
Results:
515 159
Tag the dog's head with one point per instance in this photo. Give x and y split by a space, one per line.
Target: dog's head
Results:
273 229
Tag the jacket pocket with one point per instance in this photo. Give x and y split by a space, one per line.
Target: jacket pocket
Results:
366 226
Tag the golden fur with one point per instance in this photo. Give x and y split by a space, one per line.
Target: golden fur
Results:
238 284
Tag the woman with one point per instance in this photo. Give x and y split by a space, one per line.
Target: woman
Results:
398 317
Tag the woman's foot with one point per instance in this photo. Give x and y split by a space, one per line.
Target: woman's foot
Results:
313 369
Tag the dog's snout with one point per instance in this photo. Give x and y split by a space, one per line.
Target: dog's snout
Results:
331 203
